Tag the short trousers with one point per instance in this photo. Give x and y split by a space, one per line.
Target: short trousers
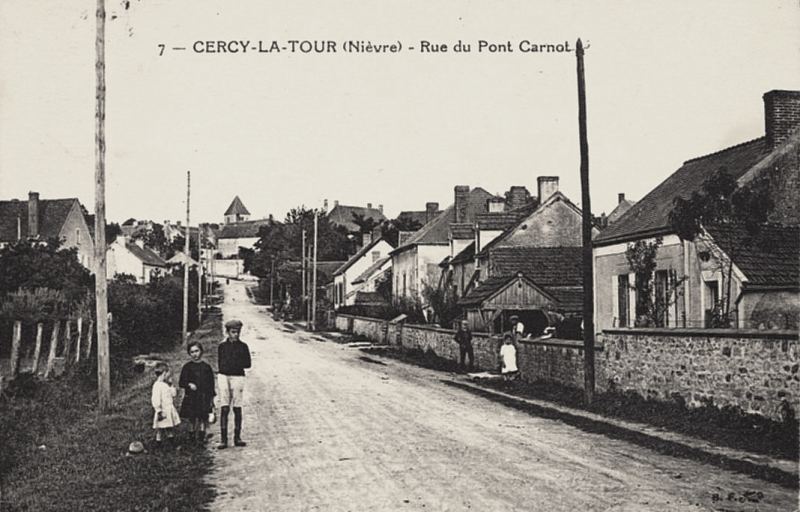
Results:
231 390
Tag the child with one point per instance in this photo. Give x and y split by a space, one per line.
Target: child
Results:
166 417
508 358
197 379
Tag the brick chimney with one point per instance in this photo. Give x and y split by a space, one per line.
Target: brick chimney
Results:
517 196
33 214
430 211
781 115
548 185
620 197
461 194
325 205
380 208
369 206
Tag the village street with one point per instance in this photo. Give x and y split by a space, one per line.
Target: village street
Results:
330 428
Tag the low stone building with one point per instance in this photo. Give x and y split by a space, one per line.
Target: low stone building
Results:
133 258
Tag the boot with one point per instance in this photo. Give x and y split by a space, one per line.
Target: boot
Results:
237 427
223 428
200 438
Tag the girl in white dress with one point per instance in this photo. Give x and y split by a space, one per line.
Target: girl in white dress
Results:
163 400
508 358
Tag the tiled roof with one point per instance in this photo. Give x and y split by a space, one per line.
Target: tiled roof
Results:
462 231
358 255
52 215
484 290
619 210
565 298
247 229
343 216
437 231
650 216
467 255
420 217
237 208
145 255
364 277
771 260
546 266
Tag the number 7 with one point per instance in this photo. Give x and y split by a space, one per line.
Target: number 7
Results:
162 50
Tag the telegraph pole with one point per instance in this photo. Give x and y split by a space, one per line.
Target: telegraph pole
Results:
199 274
314 279
588 277
185 332
101 286
303 271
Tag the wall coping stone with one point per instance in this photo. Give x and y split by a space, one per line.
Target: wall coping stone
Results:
559 342
366 318
774 334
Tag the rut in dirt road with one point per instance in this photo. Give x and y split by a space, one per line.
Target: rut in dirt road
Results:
329 429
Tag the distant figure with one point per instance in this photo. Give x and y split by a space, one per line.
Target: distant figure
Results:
197 379
234 358
464 339
508 358
517 327
162 397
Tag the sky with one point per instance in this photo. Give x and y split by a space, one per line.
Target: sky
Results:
666 81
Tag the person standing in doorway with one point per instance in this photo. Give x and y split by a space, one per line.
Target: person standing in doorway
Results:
464 339
517 328
233 360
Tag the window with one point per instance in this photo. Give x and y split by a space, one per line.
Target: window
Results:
711 300
376 255
404 284
623 299
662 298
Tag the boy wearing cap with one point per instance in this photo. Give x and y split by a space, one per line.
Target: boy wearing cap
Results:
234 358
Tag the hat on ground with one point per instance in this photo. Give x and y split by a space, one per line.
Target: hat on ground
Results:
233 324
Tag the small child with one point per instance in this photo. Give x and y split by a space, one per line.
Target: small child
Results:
508 358
166 416
197 379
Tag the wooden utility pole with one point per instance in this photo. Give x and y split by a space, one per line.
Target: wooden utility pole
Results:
314 280
303 272
272 283
199 274
185 332
588 276
101 286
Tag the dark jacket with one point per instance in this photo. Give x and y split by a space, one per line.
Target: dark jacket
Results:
234 357
464 338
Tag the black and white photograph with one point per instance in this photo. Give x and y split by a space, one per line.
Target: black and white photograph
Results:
467 255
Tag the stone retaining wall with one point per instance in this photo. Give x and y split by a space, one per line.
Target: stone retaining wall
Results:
555 360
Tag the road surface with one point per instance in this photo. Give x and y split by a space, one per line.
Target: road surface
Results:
330 428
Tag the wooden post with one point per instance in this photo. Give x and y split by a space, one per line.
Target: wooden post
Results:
588 277
51 357
15 341
303 272
101 287
89 338
199 275
272 283
314 280
185 331
37 352
67 341
78 341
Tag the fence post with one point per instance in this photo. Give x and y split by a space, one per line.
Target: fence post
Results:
51 358
67 341
37 352
78 341
89 338
15 348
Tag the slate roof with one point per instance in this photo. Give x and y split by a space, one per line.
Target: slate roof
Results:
358 255
485 290
364 277
546 266
342 215
237 208
773 260
145 255
52 215
437 231
622 207
467 255
650 216
246 229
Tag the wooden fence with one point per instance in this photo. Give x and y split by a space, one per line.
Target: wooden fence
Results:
66 347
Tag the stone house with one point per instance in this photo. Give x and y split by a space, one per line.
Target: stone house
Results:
344 285
690 277
343 215
43 219
133 258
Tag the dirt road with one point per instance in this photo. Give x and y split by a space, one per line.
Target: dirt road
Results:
330 428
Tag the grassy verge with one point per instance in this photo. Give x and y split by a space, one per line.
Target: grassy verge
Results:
722 426
58 453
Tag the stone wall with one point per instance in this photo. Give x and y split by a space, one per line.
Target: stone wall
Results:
555 360
754 370
442 342
370 328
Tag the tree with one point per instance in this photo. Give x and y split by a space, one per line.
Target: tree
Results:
113 230
390 229
740 212
651 307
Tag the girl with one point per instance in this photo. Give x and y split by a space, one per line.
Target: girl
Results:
508 358
166 417
197 379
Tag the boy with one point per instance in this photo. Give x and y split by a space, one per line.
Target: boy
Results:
234 358
464 339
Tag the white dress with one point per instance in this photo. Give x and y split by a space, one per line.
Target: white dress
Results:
163 400
508 353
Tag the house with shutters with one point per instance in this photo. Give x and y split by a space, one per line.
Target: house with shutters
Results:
691 276
44 219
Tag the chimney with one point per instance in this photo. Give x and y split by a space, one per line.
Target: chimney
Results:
366 239
430 211
461 194
548 185
335 203
781 115
33 214
369 206
380 208
496 204
325 205
620 197
517 197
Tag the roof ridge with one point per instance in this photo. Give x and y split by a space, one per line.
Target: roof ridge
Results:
724 149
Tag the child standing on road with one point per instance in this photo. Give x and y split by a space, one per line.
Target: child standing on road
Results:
508 358
197 380
163 395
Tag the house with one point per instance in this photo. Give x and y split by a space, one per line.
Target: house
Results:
623 205
343 215
133 258
344 285
420 217
232 237
43 219
691 277
180 258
